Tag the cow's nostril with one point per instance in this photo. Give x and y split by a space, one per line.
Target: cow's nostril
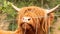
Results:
28 19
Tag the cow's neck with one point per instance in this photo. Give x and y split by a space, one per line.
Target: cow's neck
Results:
39 31
29 32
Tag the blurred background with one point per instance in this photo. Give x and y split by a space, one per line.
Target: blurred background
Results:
8 14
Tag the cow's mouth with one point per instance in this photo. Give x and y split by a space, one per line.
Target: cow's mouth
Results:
27 27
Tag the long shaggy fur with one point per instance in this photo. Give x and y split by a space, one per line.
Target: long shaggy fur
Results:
37 19
38 23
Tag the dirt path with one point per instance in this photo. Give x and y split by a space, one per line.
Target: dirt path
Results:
56 26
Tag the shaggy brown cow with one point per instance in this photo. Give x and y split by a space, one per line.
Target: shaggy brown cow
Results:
32 20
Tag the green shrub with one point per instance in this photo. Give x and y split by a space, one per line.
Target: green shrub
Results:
12 26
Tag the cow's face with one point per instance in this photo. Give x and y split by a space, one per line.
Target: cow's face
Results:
29 21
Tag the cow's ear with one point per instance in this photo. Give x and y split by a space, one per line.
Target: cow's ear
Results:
18 9
52 10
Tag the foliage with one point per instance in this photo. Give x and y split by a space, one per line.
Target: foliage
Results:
12 26
11 13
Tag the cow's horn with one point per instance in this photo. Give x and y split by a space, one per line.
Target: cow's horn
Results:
18 9
51 10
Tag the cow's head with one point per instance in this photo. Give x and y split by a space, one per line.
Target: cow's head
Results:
47 11
32 18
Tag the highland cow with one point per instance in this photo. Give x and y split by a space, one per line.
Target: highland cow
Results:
33 20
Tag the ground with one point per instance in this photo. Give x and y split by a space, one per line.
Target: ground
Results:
56 27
